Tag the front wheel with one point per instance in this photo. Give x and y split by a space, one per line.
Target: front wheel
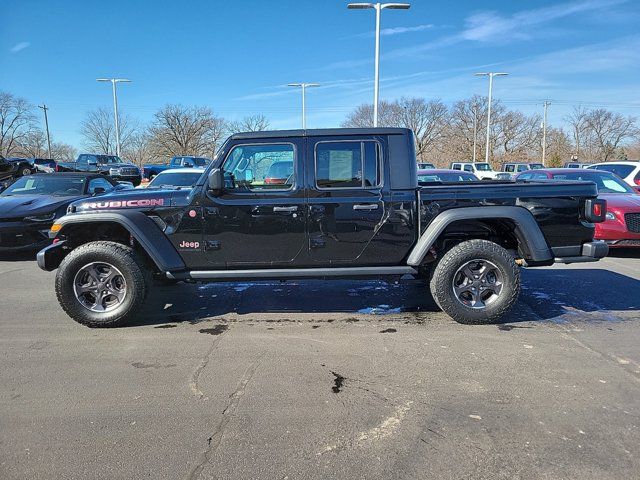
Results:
476 282
25 171
102 284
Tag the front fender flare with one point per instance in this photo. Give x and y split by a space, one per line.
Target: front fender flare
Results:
143 229
526 229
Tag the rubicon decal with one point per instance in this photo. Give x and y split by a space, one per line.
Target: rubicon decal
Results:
143 202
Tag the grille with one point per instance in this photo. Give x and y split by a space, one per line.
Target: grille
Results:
129 171
633 222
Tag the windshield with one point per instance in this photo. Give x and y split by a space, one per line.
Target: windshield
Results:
483 167
46 185
176 179
107 159
446 177
606 182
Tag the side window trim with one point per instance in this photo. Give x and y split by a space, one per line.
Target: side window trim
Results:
379 164
291 188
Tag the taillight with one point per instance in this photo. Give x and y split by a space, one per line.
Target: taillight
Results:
595 210
637 180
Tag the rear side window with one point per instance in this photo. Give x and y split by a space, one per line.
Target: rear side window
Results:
347 165
468 168
456 166
509 168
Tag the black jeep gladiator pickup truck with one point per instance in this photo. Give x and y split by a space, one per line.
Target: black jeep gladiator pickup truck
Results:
345 203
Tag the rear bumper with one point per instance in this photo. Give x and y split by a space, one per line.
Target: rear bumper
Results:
587 252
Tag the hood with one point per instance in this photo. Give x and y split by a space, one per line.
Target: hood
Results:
626 202
137 199
23 205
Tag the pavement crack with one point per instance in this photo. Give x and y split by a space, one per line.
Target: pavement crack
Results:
213 442
193 382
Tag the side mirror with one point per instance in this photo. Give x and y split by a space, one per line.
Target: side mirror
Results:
99 190
216 180
92 162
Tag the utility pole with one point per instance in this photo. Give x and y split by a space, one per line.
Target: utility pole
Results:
46 124
544 132
115 106
304 87
490 75
378 7
475 131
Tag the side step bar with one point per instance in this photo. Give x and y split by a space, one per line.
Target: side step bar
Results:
284 273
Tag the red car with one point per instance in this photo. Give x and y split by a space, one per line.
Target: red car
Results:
622 225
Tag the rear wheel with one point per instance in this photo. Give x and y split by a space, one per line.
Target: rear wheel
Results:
102 284
476 282
25 171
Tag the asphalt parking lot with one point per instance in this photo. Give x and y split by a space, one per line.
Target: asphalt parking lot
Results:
325 380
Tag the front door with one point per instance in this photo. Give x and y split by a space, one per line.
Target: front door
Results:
259 220
346 202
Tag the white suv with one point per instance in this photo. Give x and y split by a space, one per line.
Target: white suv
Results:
628 171
482 170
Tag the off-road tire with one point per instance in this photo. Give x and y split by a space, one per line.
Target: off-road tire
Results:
442 279
122 257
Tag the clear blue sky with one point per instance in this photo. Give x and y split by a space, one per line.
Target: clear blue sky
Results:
236 56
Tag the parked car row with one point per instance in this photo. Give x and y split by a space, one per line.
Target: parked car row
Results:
151 170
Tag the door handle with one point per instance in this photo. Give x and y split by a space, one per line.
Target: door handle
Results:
293 208
366 206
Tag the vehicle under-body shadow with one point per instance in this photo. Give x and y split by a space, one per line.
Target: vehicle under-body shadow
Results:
197 302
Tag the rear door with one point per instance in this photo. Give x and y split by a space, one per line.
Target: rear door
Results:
346 200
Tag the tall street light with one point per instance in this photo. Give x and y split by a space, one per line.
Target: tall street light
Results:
115 105
378 7
304 87
490 75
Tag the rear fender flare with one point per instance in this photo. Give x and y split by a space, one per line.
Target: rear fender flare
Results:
527 231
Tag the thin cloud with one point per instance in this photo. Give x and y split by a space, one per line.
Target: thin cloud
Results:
398 30
19 46
488 26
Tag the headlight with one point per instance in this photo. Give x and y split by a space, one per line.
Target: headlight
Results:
610 216
46 217
114 171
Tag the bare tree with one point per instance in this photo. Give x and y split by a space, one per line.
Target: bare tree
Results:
180 130
362 116
33 144
610 130
428 120
254 123
63 151
578 123
17 119
518 134
140 150
99 133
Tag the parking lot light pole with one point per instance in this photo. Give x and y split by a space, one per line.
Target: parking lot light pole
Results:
544 133
490 75
378 7
115 106
303 87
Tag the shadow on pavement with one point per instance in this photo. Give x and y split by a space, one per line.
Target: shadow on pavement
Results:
550 293
18 256
193 303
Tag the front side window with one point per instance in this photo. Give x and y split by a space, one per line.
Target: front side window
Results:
468 168
261 167
509 168
347 165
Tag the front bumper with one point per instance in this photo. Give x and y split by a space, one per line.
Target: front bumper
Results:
17 236
49 258
587 252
